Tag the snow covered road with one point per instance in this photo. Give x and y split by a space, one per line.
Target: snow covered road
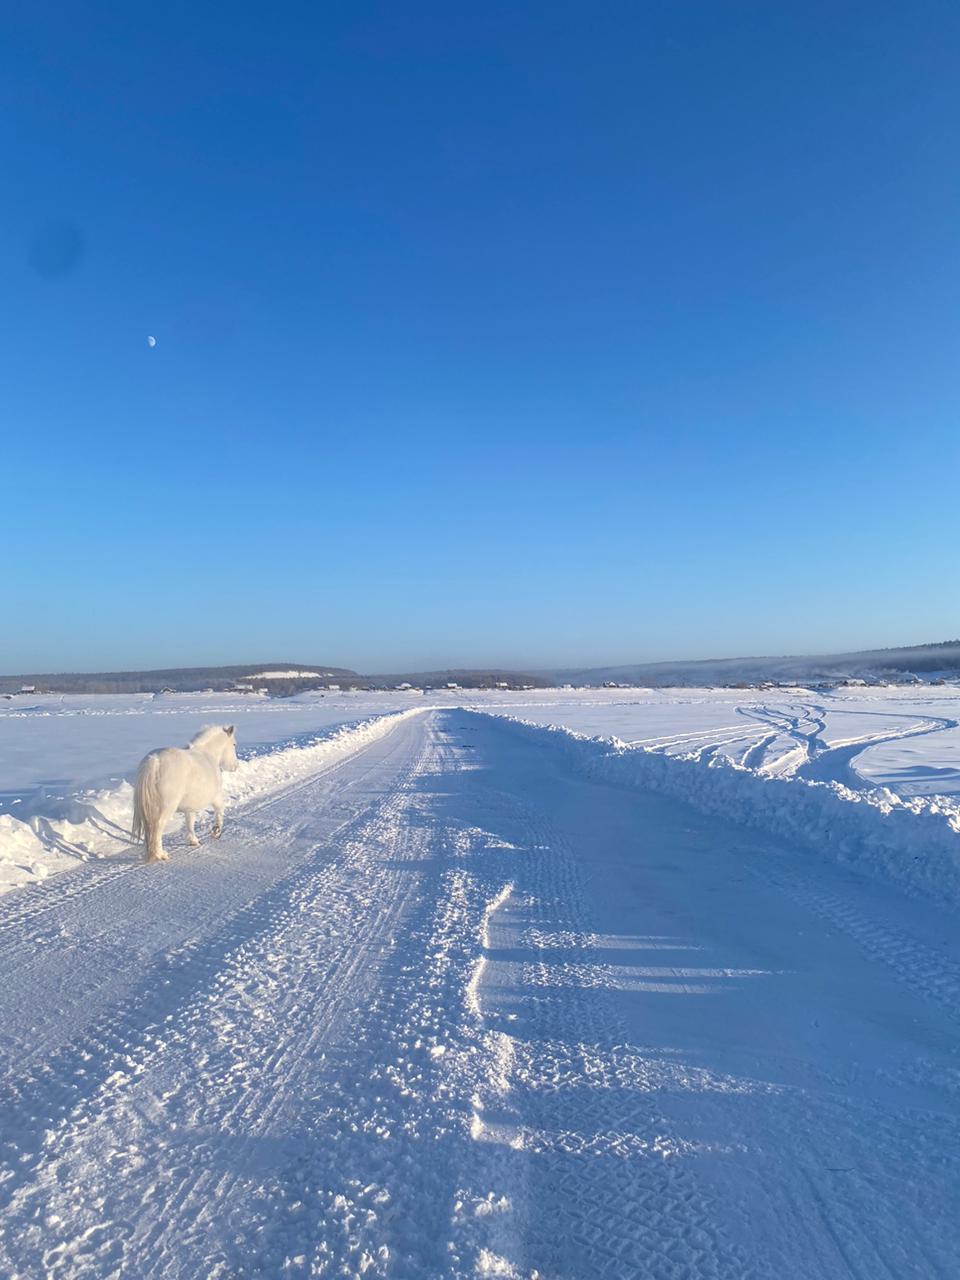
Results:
449 1007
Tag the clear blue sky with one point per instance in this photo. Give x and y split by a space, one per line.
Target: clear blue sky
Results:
524 333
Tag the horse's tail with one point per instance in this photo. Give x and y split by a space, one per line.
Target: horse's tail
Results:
146 798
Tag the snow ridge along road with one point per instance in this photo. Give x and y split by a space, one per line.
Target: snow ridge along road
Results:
451 1007
914 842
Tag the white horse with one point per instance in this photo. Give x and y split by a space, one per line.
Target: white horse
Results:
173 780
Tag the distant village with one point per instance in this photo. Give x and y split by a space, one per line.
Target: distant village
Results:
284 684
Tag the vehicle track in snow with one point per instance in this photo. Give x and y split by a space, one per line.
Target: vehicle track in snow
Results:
615 1194
814 757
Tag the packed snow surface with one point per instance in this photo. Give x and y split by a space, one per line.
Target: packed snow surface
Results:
458 996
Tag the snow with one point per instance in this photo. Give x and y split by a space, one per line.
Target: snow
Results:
913 842
295 674
862 737
464 996
51 827
65 742
889 759
868 777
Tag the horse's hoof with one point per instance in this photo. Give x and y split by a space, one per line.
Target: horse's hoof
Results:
194 843
217 832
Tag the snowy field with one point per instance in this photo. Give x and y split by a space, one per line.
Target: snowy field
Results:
458 995
66 761
906 739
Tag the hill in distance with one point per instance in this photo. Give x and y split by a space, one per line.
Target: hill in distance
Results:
270 675
924 660
275 677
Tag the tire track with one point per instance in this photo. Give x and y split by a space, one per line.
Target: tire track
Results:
600 1163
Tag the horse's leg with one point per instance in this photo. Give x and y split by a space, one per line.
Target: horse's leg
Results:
189 816
155 849
218 810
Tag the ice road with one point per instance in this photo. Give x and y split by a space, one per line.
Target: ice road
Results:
447 1007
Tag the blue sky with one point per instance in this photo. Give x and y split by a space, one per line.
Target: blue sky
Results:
530 334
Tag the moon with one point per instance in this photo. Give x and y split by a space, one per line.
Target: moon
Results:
151 341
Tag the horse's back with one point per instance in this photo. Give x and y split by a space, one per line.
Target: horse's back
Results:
201 780
187 779
170 761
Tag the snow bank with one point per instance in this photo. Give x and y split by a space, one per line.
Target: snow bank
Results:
914 841
96 823
287 675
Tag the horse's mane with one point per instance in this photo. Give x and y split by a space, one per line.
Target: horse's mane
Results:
203 737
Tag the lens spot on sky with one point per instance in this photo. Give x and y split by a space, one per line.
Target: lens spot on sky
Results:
56 249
